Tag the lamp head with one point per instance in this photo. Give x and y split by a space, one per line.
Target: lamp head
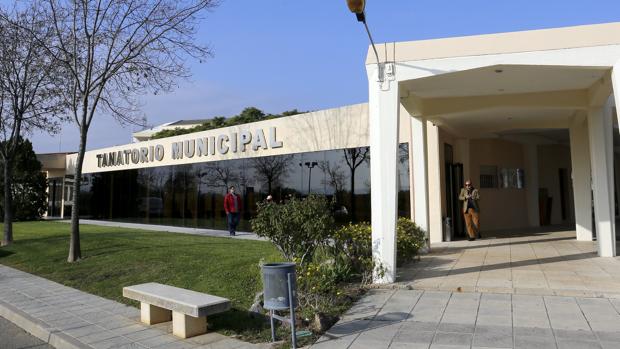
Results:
357 7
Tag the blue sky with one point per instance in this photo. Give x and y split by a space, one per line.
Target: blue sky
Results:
283 54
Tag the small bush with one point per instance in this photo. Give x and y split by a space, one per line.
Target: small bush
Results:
296 227
355 240
410 239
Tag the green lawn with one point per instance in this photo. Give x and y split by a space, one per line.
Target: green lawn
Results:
117 257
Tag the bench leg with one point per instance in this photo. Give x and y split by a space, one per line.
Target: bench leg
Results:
185 326
150 314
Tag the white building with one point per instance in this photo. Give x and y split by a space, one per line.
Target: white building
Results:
529 117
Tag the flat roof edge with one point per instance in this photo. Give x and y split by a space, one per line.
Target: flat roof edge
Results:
581 36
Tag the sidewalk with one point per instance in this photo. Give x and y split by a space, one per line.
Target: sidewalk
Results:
170 229
418 319
67 318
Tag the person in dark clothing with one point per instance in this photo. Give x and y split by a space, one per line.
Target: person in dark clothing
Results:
233 206
470 196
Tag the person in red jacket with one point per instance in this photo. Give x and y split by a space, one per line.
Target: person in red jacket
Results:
233 206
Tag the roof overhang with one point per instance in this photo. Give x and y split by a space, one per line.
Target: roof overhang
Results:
502 43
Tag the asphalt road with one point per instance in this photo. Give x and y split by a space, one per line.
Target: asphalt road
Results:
13 337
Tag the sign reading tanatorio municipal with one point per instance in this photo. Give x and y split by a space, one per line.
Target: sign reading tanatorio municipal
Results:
244 141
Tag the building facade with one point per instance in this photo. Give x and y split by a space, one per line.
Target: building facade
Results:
182 180
529 117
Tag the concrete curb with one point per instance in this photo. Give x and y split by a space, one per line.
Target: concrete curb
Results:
40 329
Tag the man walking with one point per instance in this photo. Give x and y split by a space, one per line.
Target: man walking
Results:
232 205
470 196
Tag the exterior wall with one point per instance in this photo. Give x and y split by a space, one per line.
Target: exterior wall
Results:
53 161
339 128
444 138
551 158
499 208
55 173
500 43
192 195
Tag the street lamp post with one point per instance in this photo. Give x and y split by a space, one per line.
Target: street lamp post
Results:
357 7
310 165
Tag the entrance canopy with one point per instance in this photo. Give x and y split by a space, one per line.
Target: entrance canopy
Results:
490 86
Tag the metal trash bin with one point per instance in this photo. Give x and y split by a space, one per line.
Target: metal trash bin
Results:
447 229
275 285
280 293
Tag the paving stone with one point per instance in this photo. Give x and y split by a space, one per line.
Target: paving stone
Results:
605 336
380 331
578 344
458 328
158 341
144 334
338 343
561 334
418 326
445 346
409 336
430 307
534 342
97 337
122 331
177 345
493 336
408 346
369 344
533 331
448 338
113 342
69 323
347 328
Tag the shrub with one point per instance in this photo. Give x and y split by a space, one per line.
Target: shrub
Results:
324 283
355 240
410 239
296 227
29 185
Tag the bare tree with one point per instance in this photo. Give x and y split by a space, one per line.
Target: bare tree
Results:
29 96
112 51
335 176
220 176
271 169
354 157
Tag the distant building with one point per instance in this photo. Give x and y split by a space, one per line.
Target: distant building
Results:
147 134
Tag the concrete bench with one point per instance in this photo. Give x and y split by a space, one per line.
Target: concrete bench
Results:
187 309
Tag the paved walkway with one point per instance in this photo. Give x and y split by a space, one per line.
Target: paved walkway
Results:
170 229
533 289
68 318
13 337
543 263
417 319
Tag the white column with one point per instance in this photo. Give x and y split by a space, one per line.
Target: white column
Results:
384 108
420 183
616 176
531 184
599 129
411 176
435 224
582 180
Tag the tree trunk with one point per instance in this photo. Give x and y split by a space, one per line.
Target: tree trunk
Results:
75 252
352 197
7 238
